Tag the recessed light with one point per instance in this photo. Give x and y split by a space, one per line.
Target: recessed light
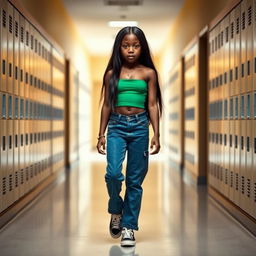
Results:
122 23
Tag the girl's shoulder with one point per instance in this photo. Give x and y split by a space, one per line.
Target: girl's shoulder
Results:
148 72
108 75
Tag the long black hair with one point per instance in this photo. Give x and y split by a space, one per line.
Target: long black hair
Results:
115 64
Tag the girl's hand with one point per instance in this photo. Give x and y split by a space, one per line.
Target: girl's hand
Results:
155 142
101 142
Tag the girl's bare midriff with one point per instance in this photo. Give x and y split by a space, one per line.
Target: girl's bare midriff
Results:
128 110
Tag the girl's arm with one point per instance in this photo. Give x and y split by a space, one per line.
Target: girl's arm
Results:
104 117
153 111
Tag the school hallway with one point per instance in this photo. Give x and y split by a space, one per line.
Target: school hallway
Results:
199 194
70 218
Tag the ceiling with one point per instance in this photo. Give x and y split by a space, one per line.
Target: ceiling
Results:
92 16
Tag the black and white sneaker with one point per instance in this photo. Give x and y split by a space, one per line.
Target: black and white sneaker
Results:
114 225
128 239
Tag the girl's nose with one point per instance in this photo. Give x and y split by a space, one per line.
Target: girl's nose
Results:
130 49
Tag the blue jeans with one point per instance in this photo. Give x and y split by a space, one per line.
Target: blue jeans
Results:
127 133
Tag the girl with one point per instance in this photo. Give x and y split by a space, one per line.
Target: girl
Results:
132 100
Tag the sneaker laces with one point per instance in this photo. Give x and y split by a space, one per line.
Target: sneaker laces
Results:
116 220
127 233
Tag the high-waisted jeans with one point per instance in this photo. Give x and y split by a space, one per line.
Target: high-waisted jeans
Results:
127 133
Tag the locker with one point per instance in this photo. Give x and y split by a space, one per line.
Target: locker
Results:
16 135
237 56
190 110
175 116
220 115
27 91
26 59
48 82
232 54
249 44
232 149
253 189
22 104
16 142
58 78
243 137
229 136
218 97
210 66
246 201
225 134
4 163
32 109
22 148
9 147
27 146
243 30
21 55
36 119
238 157
3 84
10 47
16 50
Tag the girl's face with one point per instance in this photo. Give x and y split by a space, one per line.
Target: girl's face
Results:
130 48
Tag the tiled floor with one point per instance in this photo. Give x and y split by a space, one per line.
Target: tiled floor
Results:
70 219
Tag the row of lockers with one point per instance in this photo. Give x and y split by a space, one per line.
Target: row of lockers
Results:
211 118
187 113
232 51
232 106
32 109
236 107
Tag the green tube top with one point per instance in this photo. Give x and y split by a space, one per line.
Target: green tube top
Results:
131 92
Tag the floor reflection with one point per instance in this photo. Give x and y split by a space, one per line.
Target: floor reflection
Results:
176 219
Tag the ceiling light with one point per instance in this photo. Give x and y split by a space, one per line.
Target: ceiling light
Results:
122 23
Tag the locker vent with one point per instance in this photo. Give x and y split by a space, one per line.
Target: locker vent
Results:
243 21
254 11
249 16
4 18
226 176
10 182
221 38
21 176
16 179
10 23
237 25
226 34
16 28
27 36
32 41
22 34
27 174
231 179
221 173
123 2
248 187
4 185
242 185
31 171
232 30
236 181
